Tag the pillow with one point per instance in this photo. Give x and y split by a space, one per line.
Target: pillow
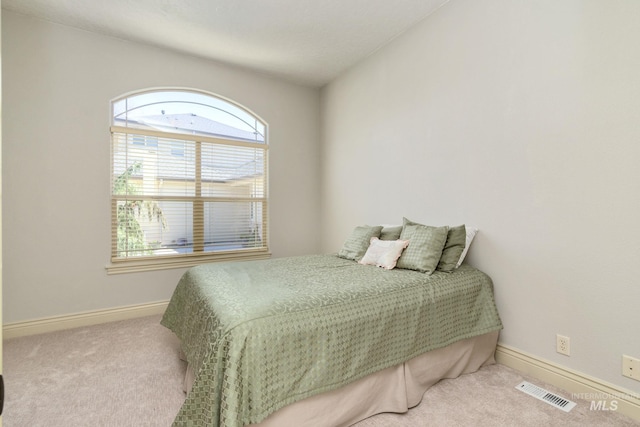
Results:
425 247
470 234
384 253
390 232
357 243
455 244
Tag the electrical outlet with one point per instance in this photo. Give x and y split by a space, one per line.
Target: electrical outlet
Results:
631 367
563 345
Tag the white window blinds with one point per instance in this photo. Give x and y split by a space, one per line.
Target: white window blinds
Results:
189 178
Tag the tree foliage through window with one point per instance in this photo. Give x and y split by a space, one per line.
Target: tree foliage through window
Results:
130 236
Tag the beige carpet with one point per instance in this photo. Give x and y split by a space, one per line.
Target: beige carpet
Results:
128 374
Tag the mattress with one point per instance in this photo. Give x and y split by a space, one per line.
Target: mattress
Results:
262 335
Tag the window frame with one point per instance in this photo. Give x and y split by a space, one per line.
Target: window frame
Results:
159 262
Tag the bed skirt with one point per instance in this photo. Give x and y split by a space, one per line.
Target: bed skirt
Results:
395 389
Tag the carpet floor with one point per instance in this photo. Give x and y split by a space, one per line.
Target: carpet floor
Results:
128 374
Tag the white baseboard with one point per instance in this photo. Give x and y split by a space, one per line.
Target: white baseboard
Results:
58 323
583 386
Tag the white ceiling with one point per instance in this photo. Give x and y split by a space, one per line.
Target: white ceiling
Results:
305 41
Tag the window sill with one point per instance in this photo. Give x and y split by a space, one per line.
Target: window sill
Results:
166 263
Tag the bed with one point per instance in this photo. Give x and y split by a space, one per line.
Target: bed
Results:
322 340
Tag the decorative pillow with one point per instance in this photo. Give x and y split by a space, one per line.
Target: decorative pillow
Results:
384 253
470 234
357 243
425 247
456 242
390 232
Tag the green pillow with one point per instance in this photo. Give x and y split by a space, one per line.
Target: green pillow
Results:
358 242
390 233
425 247
456 240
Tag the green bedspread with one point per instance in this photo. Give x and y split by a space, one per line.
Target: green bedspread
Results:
263 334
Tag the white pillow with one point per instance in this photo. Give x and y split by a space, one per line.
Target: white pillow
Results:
384 253
471 233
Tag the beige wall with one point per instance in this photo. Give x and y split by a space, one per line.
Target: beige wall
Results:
521 118
57 85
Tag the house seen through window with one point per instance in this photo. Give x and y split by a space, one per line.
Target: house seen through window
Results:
189 180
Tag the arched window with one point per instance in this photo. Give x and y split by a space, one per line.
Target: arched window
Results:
189 180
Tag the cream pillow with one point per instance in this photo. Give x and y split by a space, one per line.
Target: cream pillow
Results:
471 233
384 253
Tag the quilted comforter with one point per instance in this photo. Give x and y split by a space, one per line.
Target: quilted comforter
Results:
263 334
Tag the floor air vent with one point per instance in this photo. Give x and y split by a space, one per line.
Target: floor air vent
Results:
545 396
